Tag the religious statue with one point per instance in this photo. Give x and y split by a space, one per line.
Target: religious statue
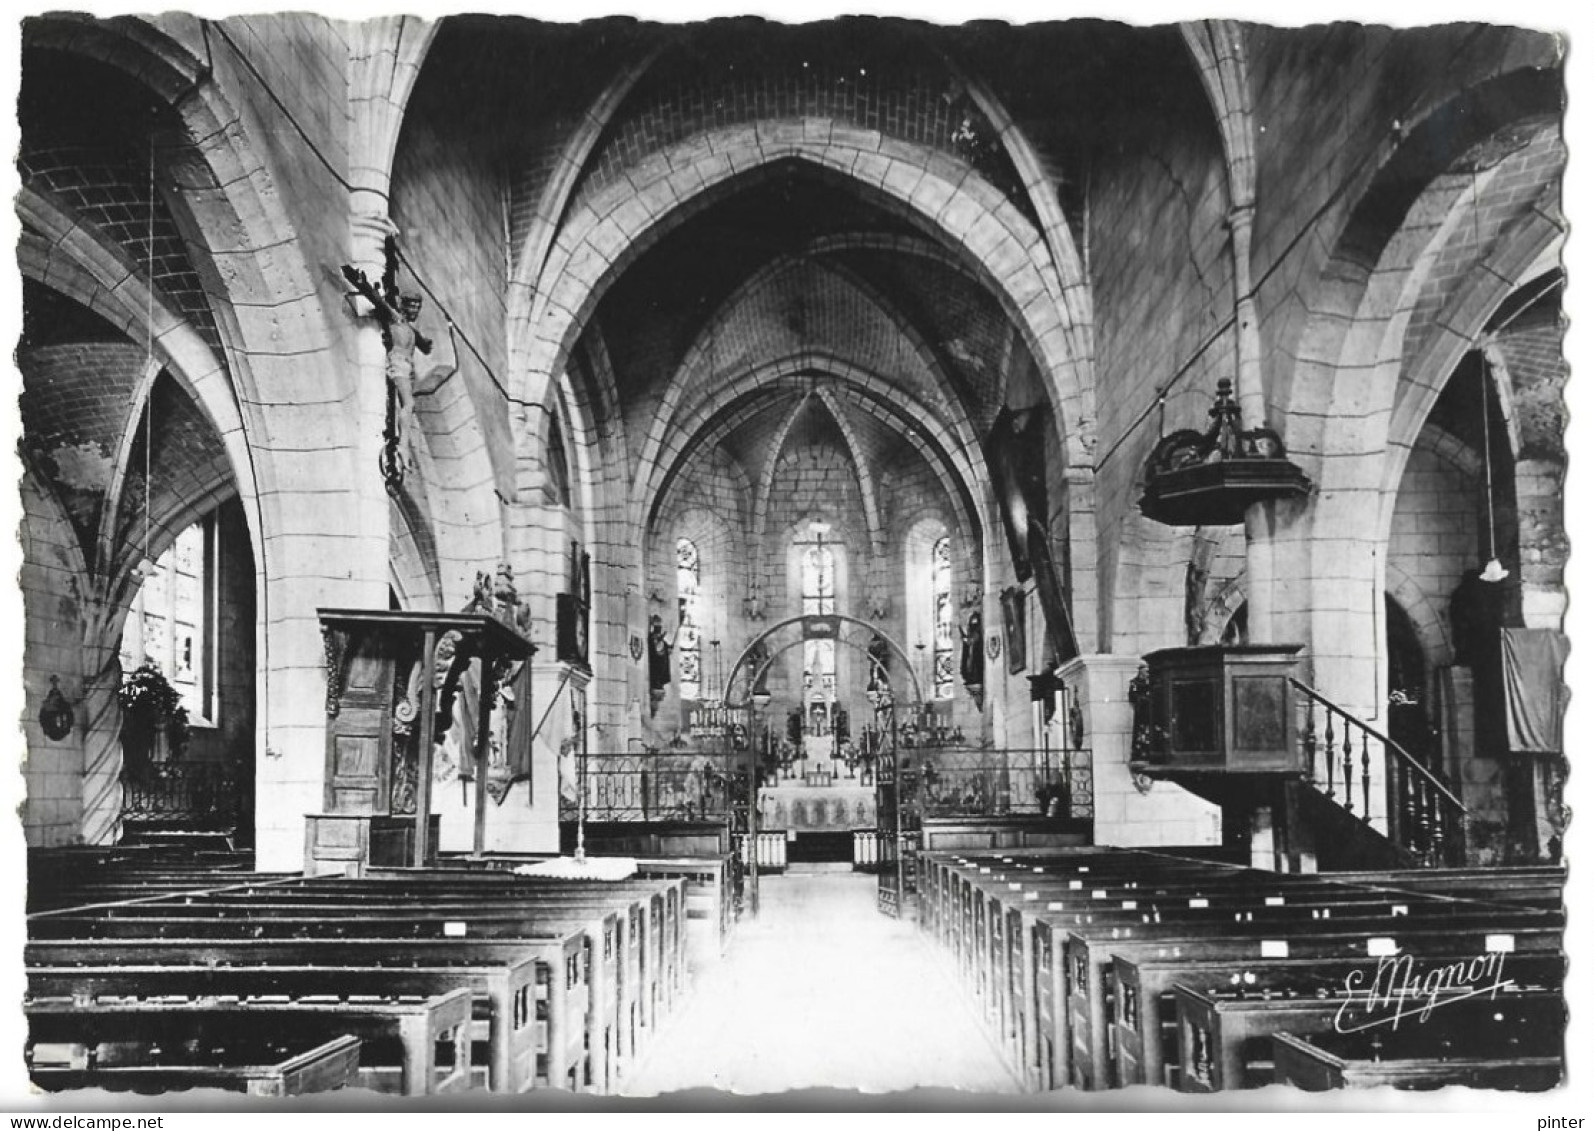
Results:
757 664
396 314
879 663
458 704
1195 608
659 649
972 666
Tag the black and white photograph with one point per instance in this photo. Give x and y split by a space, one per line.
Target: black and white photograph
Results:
782 560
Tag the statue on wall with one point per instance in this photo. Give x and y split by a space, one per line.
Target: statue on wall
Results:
459 693
1195 606
757 665
659 649
879 663
401 338
972 667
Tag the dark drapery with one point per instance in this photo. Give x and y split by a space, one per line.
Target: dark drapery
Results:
1532 660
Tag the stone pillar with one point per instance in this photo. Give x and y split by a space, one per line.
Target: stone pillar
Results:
1248 342
368 233
331 551
100 723
1261 519
557 763
1542 532
540 543
1130 814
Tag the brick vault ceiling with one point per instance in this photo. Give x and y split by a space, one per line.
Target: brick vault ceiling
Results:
80 378
87 131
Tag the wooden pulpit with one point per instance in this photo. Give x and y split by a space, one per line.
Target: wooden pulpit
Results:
1224 708
392 679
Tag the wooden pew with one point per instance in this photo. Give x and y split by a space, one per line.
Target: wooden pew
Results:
1089 957
510 990
1032 1023
1418 1058
114 879
1224 1031
649 960
967 932
1043 1026
1221 897
431 1033
256 1068
1146 1026
87 898
661 923
1532 885
710 902
562 943
710 896
487 903
1005 981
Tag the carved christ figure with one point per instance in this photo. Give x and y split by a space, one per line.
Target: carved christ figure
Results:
396 314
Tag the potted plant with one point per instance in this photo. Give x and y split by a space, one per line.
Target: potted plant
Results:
154 720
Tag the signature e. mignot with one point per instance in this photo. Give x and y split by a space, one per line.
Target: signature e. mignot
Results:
1396 989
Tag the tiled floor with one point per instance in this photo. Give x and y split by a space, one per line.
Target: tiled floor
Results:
823 991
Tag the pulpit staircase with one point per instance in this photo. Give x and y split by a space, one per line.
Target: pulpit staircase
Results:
1426 819
1320 788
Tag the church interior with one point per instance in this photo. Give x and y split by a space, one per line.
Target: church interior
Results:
540 542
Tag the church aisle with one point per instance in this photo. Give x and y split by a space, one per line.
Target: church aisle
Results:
823 991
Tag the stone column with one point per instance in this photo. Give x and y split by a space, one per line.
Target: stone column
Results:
1130 814
1542 533
368 233
100 720
560 685
333 552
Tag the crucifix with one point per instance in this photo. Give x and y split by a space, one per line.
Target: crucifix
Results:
396 313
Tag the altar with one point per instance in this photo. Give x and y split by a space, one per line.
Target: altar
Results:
798 808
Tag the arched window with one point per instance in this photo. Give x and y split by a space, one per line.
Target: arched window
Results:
819 599
941 610
688 641
931 615
172 621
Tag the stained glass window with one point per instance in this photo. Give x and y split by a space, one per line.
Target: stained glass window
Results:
688 641
169 623
819 599
945 628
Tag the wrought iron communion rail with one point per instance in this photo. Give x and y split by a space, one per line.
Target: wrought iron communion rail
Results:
974 782
199 795
955 782
657 787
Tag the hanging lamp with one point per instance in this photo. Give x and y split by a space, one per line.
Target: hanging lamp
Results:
1493 571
